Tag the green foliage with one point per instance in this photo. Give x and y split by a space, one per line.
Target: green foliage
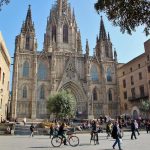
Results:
128 14
2 2
145 106
60 104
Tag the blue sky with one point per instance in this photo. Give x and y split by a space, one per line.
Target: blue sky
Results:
13 14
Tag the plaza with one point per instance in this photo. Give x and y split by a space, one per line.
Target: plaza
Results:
44 143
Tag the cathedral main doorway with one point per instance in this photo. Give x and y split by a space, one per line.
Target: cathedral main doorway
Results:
78 99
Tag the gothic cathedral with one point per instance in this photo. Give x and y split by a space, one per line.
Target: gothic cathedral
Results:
92 80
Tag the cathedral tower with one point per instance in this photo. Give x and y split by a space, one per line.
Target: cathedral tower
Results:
61 30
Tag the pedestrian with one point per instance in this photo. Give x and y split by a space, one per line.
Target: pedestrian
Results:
51 131
24 121
116 134
108 129
133 130
32 130
136 127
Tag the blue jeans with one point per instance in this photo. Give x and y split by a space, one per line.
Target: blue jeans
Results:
117 141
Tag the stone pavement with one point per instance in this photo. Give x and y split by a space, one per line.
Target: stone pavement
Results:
43 143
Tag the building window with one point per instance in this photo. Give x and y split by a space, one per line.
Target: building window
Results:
132 81
133 92
148 69
42 92
65 33
124 83
3 80
139 65
125 95
109 75
142 94
24 95
42 72
110 95
125 107
94 73
123 73
147 57
94 94
0 73
140 75
28 42
26 69
131 69
54 33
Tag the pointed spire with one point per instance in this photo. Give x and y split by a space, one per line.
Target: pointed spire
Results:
59 4
79 46
87 47
115 54
97 39
108 36
102 33
28 25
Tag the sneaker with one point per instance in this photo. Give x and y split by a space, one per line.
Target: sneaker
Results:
113 147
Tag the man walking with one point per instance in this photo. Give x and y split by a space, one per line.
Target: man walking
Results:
116 135
133 130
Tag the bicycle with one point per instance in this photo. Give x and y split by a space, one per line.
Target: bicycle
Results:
73 140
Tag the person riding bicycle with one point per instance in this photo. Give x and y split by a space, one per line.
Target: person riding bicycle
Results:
94 131
61 132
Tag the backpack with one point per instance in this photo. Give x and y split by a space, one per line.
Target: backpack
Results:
113 134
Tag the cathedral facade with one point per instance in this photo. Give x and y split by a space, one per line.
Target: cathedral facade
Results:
61 65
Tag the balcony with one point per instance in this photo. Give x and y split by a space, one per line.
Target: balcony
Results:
138 97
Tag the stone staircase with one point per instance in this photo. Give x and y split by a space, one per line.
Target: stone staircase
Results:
20 129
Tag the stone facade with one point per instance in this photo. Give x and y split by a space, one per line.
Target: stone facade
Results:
4 79
92 80
134 83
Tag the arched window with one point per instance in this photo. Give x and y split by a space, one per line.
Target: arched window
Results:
26 69
94 73
107 50
24 93
65 33
109 75
42 92
109 95
94 94
27 42
42 72
54 33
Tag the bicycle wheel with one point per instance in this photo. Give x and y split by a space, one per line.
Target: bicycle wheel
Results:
56 141
73 141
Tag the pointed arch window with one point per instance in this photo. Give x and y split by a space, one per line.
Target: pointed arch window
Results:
54 33
94 73
26 69
109 95
42 92
107 50
94 94
65 33
109 75
42 72
24 93
27 42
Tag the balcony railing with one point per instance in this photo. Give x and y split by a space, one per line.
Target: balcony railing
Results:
138 97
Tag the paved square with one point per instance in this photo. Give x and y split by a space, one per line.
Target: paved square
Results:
43 143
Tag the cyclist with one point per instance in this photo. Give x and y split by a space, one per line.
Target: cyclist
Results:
94 131
61 132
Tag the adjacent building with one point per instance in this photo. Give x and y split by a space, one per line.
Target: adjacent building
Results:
62 65
134 83
4 79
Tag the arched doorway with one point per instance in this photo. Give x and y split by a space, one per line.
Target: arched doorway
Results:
78 97
135 114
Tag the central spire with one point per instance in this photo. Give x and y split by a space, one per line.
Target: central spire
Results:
102 33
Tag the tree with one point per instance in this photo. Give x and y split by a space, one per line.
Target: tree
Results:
145 107
61 105
2 2
128 14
